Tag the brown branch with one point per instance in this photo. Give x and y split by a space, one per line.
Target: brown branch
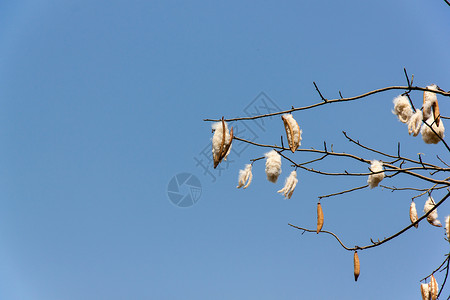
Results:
376 244
344 192
415 88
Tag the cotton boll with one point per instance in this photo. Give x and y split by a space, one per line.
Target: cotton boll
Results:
293 131
428 135
447 229
273 166
432 217
221 145
245 177
375 179
402 108
289 185
429 98
434 287
425 291
415 122
413 214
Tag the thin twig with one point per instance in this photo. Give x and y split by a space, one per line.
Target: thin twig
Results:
329 101
343 192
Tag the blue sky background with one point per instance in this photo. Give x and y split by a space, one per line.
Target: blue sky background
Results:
102 102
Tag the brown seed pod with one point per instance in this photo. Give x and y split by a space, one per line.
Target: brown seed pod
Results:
224 145
425 291
293 132
433 288
436 113
413 214
319 217
356 265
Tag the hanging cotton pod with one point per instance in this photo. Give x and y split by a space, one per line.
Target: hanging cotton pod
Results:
413 214
429 101
293 131
402 108
273 165
356 265
319 217
425 291
415 122
221 141
447 229
289 185
245 177
434 288
375 179
432 217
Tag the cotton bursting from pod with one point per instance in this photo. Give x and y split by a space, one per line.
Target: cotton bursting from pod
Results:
415 122
433 288
413 214
425 291
433 130
293 131
245 177
447 229
319 217
289 185
221 141
432 217
273 165
429 101
375 179
356 267
402 108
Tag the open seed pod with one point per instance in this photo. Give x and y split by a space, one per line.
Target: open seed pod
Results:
356 265
425 291
413 214
293 131
434 289
221 142
319 217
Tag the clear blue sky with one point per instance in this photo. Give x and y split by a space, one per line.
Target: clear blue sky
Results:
102 102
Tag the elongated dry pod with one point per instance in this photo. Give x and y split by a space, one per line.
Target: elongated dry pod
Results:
221 142
319 217
434 289
413 214
356 265
293 131
425 291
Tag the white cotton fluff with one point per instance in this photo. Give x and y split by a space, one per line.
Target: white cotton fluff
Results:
245 177
432 217
296 137
429 98
415 122
375 179
402 108
413 214
447 229
428 135
289 185
273 166
217 138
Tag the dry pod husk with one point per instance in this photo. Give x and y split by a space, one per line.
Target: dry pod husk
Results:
425 291
221 142
434 289
356 267
447 229
293 131
413 214
319 217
